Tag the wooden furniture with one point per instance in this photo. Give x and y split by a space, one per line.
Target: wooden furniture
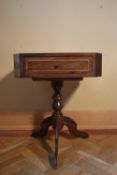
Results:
58 67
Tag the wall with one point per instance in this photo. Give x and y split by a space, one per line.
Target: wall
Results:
58 26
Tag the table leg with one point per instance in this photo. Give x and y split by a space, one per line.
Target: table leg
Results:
56 131
43 128
72 127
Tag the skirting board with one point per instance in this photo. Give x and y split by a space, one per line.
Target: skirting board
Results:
23 123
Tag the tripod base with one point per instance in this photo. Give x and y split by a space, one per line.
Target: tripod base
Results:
59 122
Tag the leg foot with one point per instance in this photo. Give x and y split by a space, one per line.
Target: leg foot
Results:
43 128
72 126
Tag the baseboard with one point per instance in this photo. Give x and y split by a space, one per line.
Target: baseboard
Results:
63 133
23 123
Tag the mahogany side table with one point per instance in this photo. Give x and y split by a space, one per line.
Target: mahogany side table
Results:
58 67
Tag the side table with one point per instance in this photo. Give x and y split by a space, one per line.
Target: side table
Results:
58 67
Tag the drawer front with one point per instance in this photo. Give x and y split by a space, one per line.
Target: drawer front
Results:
55 66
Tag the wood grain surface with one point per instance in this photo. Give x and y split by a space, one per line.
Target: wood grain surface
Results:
27 156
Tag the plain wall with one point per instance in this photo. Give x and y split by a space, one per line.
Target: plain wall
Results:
58 26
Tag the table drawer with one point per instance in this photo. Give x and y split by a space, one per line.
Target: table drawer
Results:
57 66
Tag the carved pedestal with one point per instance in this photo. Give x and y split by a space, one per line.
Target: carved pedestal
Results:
58 120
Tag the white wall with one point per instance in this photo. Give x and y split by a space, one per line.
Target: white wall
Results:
58 26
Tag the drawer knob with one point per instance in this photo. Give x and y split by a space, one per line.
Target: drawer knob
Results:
56 66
